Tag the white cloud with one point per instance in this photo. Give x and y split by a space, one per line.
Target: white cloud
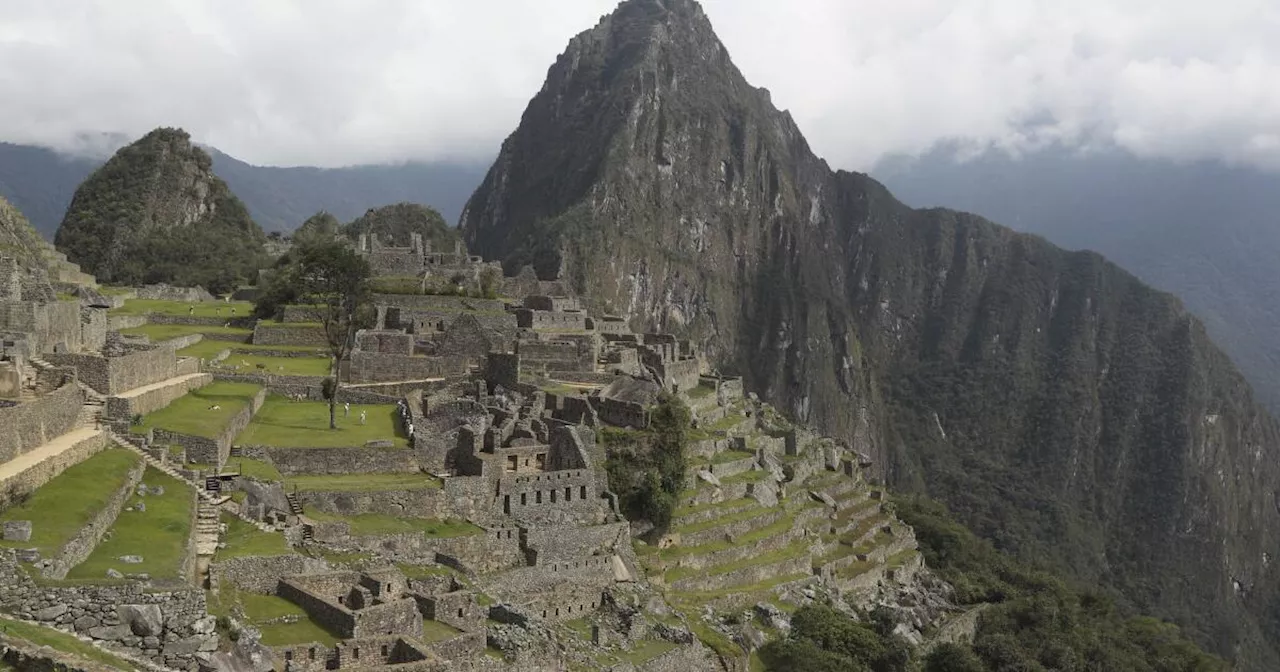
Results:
330 83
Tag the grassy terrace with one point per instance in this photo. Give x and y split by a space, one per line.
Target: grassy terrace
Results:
376 523
208 348
735 517
192 308
435 631
795 549
753 476
258 609
305 424
251 468
362 482
727 504
243 539
61 641
729 456
780 526
280 366
166 332
67 502
192 413
159 534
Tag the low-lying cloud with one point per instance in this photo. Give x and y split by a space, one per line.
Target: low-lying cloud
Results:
325 82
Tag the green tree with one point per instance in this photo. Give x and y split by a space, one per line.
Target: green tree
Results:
331 276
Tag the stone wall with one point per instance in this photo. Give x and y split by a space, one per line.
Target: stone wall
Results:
113 375
440 303
260 574
371 367
394 617
546 320
153 400
17 485
212 450
423 503
293 461
286 334
78 548
163 292
166 627
29 425
119 322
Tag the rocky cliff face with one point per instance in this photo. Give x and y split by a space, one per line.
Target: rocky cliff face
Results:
155 212
1067 411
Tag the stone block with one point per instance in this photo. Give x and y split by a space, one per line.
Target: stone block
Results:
28 555
113 633
17 530
85 623
51 613
145 620
131 559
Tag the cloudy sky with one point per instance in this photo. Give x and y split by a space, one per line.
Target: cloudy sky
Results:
336 82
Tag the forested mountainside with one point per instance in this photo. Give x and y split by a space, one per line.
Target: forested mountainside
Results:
40 182
155 212
1063 408
1206 232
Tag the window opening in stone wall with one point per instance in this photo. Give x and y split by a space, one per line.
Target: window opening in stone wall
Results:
384 650
542 460
355 653
582 492
553 496
512 462
568 493
288 656
506 503
537 497
459 612
524 499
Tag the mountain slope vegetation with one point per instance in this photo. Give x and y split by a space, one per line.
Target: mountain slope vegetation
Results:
155 212
1062 408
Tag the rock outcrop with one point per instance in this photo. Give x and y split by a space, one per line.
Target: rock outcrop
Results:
1063 408
155 212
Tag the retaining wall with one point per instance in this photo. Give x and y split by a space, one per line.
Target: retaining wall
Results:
153 400
32 424
78 548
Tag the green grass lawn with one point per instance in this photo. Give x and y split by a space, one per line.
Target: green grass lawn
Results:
66 503
424 571
362 482
192 414
158 534
251 468
646 651
280 366
166 332
243 539
376 523
209 348
729 456
193 308
257 609
435 631
305 424
61 641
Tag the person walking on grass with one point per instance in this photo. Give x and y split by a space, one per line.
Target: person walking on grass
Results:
346 409
362 417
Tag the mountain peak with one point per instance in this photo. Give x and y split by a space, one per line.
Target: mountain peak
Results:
155 212
649 175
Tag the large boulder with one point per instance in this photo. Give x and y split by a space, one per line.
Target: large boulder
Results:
144 620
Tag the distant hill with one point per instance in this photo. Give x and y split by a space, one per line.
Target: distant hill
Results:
1208 233
40 182
282 198
156 212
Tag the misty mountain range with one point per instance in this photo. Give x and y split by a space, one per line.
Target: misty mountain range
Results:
1205 232
40 182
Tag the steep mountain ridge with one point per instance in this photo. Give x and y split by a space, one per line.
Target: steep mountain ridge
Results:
1065 410
155 212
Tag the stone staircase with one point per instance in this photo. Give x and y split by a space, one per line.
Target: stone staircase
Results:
207 528
295 507
94 409
204 495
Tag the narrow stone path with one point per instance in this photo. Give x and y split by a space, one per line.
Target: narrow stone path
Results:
53 448
129 394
